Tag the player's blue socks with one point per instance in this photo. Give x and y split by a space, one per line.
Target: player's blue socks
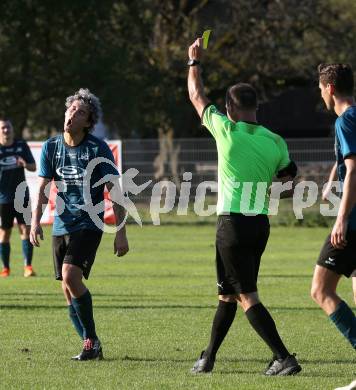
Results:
27 251
75 321
84 309
5 254
345 320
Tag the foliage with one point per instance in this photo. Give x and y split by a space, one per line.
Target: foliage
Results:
132 54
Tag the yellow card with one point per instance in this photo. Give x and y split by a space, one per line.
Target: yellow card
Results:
206 35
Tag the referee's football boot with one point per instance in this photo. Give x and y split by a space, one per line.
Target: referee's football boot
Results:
204 364
91 351
283 367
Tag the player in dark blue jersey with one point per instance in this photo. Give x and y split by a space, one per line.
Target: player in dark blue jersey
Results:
338 255
77 161
15 157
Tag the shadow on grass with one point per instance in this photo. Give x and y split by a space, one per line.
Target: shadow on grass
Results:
106 307
288 276
236 361
180 275
105 295
25 294
154 360
98 306
302 374
239 360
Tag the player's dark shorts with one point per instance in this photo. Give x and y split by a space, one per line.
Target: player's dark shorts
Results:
78 248
240 242
8 214
341 261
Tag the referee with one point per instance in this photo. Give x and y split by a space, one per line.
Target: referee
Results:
247 153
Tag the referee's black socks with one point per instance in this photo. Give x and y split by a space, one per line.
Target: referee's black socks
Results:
224 317
263 323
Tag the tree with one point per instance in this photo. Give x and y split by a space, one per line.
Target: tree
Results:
133 54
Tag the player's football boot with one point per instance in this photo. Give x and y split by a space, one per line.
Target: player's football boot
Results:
283 367
29 271
5 272
91 351
204 364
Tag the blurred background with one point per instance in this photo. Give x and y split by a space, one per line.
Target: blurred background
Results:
132 54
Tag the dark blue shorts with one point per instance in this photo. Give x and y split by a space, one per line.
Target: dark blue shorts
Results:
77 248
341 261
8 214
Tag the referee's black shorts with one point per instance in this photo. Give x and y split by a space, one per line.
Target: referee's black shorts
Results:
77 248
240 242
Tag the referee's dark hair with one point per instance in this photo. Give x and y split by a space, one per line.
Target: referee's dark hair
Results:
339 75
241 96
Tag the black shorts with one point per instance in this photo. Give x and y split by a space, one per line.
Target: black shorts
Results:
8 214
240 242
77 248
341 261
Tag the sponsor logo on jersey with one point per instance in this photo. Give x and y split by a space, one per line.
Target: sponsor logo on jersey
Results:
70 172
84 156
7 161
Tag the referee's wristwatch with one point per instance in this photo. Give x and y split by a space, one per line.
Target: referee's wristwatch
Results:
193 62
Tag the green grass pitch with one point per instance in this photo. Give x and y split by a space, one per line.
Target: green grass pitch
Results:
153 311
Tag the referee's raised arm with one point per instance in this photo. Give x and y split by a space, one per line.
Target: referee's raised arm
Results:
195 82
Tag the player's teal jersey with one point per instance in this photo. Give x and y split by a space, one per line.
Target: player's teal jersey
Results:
12 174
71 168
345 146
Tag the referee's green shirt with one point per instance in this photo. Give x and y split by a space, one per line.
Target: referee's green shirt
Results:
249 155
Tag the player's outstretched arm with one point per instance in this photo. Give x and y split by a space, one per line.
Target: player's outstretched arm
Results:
121 245
332 177
41 202
195 82
348 201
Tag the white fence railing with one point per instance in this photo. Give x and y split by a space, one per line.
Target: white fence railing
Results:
168 159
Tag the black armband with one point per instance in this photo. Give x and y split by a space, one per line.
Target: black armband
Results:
290 170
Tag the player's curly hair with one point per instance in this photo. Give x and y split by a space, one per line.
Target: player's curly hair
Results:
339 75
91 101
